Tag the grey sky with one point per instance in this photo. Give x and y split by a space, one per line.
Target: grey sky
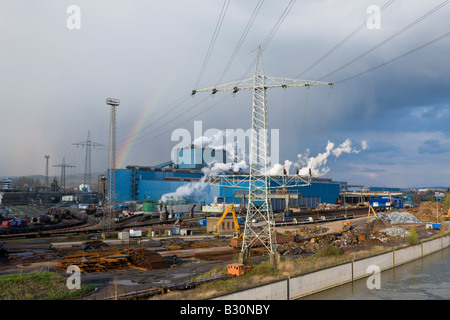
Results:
54 82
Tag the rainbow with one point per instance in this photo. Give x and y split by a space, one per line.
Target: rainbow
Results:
125 150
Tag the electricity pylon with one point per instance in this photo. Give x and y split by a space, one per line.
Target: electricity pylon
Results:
63 166
87 162
259 181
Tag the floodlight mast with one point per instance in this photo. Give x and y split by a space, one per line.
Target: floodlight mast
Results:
111 176
259 207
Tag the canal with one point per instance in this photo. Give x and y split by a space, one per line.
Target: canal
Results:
427 278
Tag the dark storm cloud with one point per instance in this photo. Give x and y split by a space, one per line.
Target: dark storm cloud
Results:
434 147
149 54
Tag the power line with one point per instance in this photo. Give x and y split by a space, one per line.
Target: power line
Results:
184 121
213 39
397 58
389 38
168 110
243 36
164 124
277 25
271 34
354 32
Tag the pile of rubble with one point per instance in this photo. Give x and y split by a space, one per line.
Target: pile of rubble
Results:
307 231
398 217
428 211
312 245
395 232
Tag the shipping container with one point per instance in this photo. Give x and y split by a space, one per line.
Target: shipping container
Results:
135 233
123 235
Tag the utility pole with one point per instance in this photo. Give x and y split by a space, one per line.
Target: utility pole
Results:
46 170
259 207
111 174
87 162
63 166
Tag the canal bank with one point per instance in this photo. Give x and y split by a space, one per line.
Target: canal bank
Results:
307 284
421 279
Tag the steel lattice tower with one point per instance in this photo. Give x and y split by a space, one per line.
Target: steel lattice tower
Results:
111 174
87 162
63 166
259 206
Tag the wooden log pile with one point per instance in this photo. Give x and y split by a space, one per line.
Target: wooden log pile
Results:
148 259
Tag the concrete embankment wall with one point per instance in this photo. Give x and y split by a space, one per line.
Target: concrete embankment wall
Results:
303 285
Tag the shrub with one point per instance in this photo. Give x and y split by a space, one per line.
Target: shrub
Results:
329 250
413 237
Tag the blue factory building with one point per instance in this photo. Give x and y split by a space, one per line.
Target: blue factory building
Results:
152 183
186 179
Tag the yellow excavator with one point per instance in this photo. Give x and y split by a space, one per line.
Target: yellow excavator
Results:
236 223
374 213
446 216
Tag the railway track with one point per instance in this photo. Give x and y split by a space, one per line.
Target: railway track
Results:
80 227
83 226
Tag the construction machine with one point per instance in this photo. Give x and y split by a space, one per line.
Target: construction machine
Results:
237 269
238 233
446 216
347 226
374 213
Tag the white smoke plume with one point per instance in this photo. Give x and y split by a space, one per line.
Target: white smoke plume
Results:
317 164
279 169
213 168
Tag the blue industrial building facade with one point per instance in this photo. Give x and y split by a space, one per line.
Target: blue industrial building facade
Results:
152 183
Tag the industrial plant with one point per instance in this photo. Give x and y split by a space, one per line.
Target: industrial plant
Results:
228 220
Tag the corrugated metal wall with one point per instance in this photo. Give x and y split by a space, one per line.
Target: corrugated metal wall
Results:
141 185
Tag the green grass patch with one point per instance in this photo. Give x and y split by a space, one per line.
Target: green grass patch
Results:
38 286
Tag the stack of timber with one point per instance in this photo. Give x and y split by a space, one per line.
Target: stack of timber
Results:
95 263
148 259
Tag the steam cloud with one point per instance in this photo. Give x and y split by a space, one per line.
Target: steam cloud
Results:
305 163
212 168
317 164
